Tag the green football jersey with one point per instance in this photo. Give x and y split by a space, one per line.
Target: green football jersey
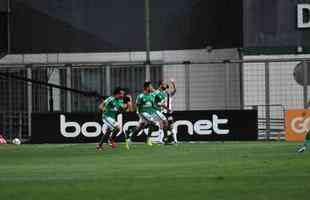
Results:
159 97
145 103
112 106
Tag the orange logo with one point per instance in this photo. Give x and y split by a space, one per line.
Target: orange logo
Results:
297 124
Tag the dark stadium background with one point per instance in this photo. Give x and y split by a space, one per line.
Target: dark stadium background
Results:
118 25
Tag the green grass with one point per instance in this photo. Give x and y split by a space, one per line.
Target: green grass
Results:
221 171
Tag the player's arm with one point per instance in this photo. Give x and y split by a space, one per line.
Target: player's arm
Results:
101 106
161 103
128 103
138 103
164 105
174 88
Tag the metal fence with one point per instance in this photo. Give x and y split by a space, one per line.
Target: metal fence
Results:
270 86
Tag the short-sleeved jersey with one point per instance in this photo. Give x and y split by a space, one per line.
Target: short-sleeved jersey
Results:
112 106
145 103
159 97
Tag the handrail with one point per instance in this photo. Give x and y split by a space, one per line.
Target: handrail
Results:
142 63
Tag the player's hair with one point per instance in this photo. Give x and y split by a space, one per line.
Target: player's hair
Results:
161 82
102 98
117 90
126 99
147 84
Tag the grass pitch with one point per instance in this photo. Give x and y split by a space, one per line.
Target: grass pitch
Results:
222 171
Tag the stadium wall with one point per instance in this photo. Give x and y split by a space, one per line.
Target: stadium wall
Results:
207 86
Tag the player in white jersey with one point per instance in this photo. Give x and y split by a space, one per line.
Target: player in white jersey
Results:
170 93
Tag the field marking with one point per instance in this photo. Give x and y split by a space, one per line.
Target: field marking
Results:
69 178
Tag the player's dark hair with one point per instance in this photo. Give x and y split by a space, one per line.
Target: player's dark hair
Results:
126 90
102 98
126 99
117 90
147 84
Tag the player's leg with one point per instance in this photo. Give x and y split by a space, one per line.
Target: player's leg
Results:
307 139
133 131
104 137
113 127
164 125
150 125
161 135
113 135
173 133
305 144
165 131
153 128
127 139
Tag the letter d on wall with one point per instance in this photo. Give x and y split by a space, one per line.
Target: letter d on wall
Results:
301 12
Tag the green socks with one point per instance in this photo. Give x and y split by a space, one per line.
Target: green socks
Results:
307 139
102 139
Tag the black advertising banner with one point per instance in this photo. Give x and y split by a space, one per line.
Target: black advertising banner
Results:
228 125
224 125
51 127
281 23
3 31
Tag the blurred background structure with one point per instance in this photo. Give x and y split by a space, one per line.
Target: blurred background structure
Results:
223 54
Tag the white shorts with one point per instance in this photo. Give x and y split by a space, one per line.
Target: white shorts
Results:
161 116
110 123
152 118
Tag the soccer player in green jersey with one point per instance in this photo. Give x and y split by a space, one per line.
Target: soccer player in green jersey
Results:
146 110
163 105
306 143
110 108
160 98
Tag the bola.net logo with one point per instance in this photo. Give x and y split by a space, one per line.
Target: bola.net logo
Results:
71 129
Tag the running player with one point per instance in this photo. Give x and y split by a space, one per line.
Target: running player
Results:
306 143
160 96
146 110
171 91
110 108
164 98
